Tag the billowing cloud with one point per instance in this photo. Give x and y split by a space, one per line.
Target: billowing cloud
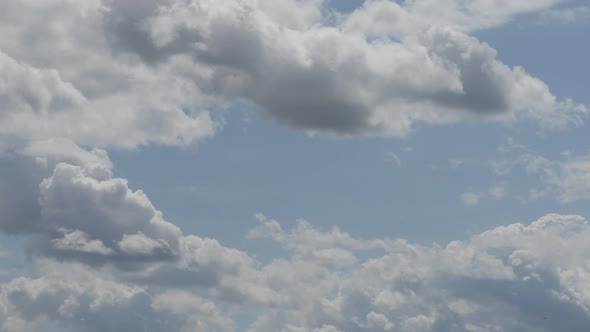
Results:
70 83
510 278
353 77
151 71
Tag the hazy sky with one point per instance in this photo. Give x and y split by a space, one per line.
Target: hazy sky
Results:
294 165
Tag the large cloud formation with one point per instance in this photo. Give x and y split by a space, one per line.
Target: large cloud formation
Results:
152 71
78 77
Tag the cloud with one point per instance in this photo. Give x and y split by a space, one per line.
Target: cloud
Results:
67 198
146 72
509 278
349 78
463 286
78 299
34 91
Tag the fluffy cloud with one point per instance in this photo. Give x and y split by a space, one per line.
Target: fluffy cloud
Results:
150 71
511 278
71 83
73 298
355 76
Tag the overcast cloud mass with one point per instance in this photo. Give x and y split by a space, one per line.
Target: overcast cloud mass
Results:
83 79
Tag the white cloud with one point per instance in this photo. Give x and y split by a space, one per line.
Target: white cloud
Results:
134 73
71 83
507 278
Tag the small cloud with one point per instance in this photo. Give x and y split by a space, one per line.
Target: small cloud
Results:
470 198
497 191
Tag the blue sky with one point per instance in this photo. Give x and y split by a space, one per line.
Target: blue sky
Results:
294 165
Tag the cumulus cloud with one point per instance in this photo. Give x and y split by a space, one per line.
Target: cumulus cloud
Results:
503 279
356 76
71 84
152 71
510 278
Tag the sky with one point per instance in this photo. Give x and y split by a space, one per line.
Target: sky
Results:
294 165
